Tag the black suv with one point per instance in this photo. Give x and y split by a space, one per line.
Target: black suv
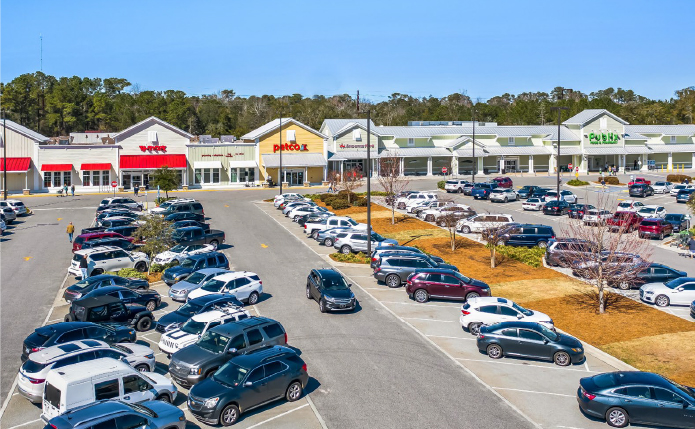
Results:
247 382
193 263
83 287
175 217
108 310
528 191
331 290
563 251
63 332
641 190
395 269
559 208
195 306
527 235
185 223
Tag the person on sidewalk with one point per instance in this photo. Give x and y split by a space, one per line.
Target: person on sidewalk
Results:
691 246
65 190
70 230
72 189
83 266
136 189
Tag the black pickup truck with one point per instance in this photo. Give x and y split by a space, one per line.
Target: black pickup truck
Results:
197 235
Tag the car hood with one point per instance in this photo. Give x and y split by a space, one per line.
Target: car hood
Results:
569 341
209 388
447 266
162 408
184 285
177 270
339 294
653 287
170 318
192 356
537 316
159 379
138 255
166 255
478 283
178 335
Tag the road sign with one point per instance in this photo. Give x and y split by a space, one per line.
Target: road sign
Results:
444 170
569 166
114 184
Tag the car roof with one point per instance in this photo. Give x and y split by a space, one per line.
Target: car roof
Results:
106 289
531 225
235 327
92 368
61 327
435 270
652 206
328 273
490 300
622 378
203 255
516 324
59 351
252 359
96 300
90 250
92 411
211 315
234 275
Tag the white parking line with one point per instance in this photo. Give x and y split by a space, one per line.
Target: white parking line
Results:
278 416
381 288
24 424
452 338
426 320
532 391
523 364
421 305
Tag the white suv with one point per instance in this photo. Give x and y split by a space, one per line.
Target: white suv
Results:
312 228
244 285
455 185
488 310
481 222
629 206
16 205
279 199
432 214
175 339
413 199
652 211
131 203
181 252
101 259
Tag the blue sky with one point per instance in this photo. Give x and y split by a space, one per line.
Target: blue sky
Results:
484 48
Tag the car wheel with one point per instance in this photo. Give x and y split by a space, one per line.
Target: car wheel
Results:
465 229
562 359
96 272
328 242
474 328
141 266
662 301
494 351
315 234
164 398
151 305
229 415
506 200
472 295
617 417
69 317
346 250
214 244
542 244
460 190
143 324
393 281
253 298
294 391
142 368
624 285
322 306
421 296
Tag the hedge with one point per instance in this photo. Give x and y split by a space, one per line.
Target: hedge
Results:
678 178
339 204
361 202
441 184
157 268
532 256
355 258
610 180
128 273
577 182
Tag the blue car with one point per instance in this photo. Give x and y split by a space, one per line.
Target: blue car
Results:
684 195
192 264
482 190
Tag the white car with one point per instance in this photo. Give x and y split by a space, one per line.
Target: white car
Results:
652 211
432 214
565 195
181 252
10 215
101 259
165 205
3 227
410 205
297 212
533 203
455 185
279 199
295 204
481 222
16 205
503 195
629 206
131 203
412 199
596 216
488 310
244 285
662 187
679 291
677 188
175 339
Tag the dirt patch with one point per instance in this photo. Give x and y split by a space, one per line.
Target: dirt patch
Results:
524 291
404 224
352 210
154 277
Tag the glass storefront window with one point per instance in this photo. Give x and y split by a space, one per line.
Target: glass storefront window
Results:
67 178
215 175
198 176
233 175
47 179
105 177
56 178
86 178
206 175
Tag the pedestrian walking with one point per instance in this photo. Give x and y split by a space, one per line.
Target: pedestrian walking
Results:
70 230
691 246
65 189
83 266
136 189
635 165
639 164
72 189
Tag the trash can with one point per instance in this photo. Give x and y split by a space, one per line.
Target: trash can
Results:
485 171
504 171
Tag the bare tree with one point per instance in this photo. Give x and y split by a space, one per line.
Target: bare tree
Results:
449 221
391 181
351 180
493 236
333 177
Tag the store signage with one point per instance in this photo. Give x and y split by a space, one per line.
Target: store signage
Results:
355 146
604 138
226 155
290 146
153 148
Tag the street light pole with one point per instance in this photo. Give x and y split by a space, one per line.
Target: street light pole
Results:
475 161
557 167
4 156
280 175
369 188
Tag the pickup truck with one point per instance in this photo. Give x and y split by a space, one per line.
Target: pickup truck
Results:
312 229
628 221
639 181
482 190
197 235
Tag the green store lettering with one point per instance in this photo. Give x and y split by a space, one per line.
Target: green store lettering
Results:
603 138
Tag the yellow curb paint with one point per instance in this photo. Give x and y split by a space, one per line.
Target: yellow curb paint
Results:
264 246
226 205
26 258
60 218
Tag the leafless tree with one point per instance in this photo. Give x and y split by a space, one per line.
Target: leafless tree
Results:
391 181
449 220
350 180
333 177
493 236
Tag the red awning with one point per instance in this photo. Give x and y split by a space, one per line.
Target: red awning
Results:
152 161
15 164
56 167
92 167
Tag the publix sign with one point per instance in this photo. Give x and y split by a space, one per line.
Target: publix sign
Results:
604 138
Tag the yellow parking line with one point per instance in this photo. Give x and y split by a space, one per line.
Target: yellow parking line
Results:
26 258
265 246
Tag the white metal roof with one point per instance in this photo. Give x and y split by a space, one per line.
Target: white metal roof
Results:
26 132
243 164
517 150
637 148
344 155
588 115
667 148
667 130
568 150
275 124
272 160
153 119
406 152
335 125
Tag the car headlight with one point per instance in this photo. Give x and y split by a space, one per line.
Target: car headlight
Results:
210 403
649 292
149 356
328 298
577 350
196 371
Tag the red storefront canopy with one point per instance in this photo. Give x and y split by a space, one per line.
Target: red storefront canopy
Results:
15 164
152 162
56 167
93 167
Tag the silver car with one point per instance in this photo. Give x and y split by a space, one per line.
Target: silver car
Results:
503 195
101 259
10 215
348 242
179 291
112 414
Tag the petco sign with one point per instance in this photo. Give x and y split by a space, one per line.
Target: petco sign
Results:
153 148
290 146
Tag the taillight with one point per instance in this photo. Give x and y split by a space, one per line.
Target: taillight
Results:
373 259
285 337
588 395
465 313
36 349
304 367
36 380
304 226
377 269
481 336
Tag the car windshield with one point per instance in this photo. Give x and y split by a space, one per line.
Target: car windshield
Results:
178 248
193 327
533 200
677 282
165 205
335 283
230 374
188 263
195 278
189 309
377 237
550 334
676 217
213 342
660 184
213 285
462 277
352 222
522 310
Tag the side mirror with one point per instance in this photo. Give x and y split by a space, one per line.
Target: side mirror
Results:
349 284
680 289
685 405
232 351
519 316
248 384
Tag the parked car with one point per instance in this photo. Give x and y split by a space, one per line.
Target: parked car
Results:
127 231
565 195
395 269
662 187
203 304
32 374
148 298
313 217
652 273
652 211
9 215
114 206
625 221
192 264
527 191
109 311
558 208
654 228
3 225
490 310
503 195
111 222
629 206
179 206
577 211
680 291
481 222
540 193
454 212
332 222
196 235
16 205
112 241
468 188
179 291
184 223
430 205
529 340
107 258
533 203
109 213
301 211
640 190
596 217
615 262
379 250
288 207
455 185
247 382
244 285
87 382
639 181
80 239
112 414
482 190
685 195
181 251
349 242
85 286
279 199
327 236
426 283
330 290
564 251
63 332
680 222
175 217
199 361
677 188
413 198
634 397
527 235
503 182
120 201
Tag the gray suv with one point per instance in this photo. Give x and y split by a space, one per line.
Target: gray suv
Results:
216 346
117 414
394 269
356 241
564 251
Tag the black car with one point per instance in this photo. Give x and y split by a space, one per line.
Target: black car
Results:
652 273
89 284
540 193
194 263
557 208
528 191
92 229
148 298
196 306
186 223
530 340
247 382
400 249
110 241
124 230
641 190
527 235
59 333
110 311
679 221
576 211
634 397
113 206
175 217
331 291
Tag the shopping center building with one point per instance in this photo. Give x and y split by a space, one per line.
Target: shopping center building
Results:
589 141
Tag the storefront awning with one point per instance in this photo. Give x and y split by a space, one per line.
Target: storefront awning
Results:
95 167
16 165
272 160
603 150
637 149
568 150
56 167
670 148
517 150
243 164
152 162
407 152
207 164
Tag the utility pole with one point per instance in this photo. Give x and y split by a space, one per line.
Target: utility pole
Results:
369 187
559 119
281 175
475 161
4 155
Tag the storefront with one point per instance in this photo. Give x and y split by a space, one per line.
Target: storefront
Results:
17 173
223 164
137 169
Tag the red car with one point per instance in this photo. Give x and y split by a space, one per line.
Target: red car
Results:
428 283
629 221
80 239
503 182
639 181
654 227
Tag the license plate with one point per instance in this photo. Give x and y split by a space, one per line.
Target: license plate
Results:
343 305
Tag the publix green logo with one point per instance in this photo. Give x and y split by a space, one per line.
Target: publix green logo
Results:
603 138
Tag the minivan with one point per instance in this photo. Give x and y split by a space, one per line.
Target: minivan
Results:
481 222
528 235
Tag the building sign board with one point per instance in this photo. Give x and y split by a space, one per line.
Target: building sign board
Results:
153 148
604 138
355 146
290 147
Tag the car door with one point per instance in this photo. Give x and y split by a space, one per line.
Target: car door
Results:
637 401
120 259
129 297
277 379
435 285
136 389
533 344
509 341
254 339
210 262
316 286
256 392
242 288
359 242
99 333
453 287
507 314
684 294
670 410
119 313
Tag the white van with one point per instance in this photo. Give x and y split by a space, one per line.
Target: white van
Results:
87 382
481 222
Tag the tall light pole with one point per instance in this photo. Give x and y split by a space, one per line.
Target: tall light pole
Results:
557 167
4 156
369 187
475 161
280 175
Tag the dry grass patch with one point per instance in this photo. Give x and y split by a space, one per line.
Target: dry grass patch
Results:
362 217
524 291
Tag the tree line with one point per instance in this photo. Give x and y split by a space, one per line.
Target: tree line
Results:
59 105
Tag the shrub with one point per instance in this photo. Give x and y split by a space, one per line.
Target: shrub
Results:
361 202
353 258
678 178
577 182
325 197
340 204
374 194
441 184
314 197
610 180
532 256
158 268
344 194
128 273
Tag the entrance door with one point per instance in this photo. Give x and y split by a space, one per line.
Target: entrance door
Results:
126 180
137 179
510 165
296 178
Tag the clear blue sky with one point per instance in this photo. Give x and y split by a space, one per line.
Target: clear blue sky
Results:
484 48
